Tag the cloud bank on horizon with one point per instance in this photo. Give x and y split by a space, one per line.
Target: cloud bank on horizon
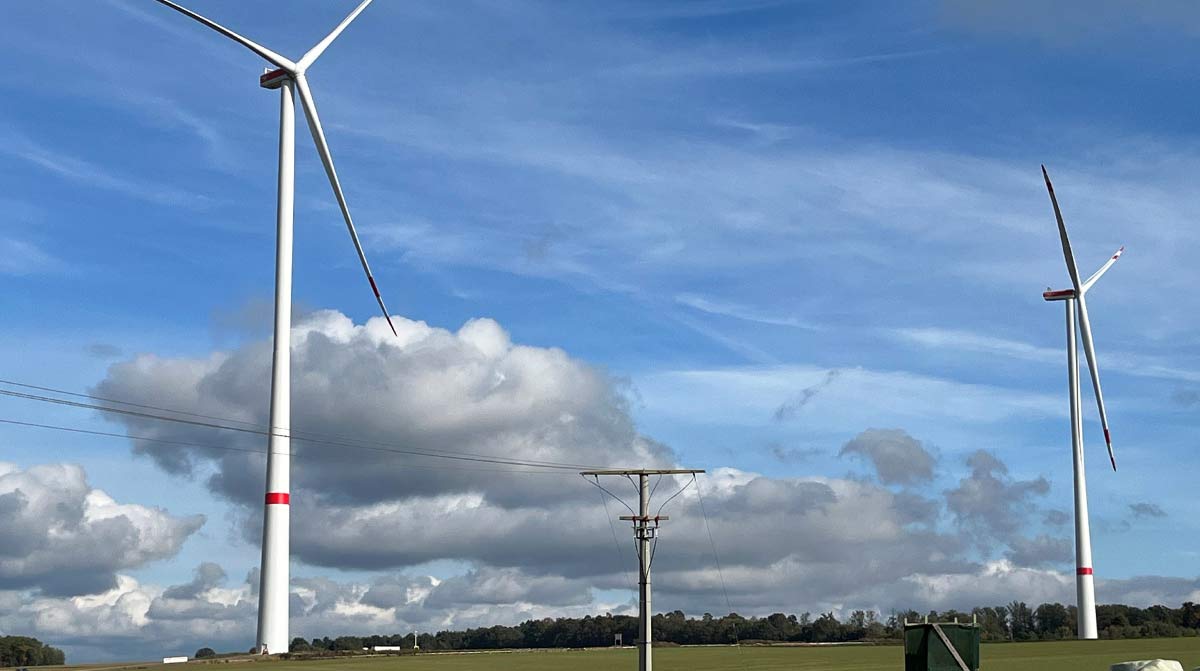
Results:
532 544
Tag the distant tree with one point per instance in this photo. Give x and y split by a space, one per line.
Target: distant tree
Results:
26 651
826 629
875 629
299 645
1189 615
205 653
1113 615
345 643
1020 621
1052 621
858 620
997 623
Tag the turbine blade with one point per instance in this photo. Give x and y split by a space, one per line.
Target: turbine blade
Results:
314 125
315 53
1089 350
257 48
1062 233
1103 269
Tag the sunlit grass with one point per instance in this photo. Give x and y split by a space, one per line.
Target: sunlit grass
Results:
1056 656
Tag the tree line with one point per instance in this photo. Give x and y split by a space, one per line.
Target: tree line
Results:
1016 621
25 651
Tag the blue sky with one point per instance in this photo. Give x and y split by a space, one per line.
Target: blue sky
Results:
728 208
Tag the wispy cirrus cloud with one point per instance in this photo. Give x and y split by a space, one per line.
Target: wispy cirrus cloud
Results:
21 257
718 63
1072 21
752 394
86 173
736 311
967 341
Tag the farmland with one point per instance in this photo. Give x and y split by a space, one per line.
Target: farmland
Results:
1059 656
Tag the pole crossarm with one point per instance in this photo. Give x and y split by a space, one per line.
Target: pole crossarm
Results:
643 518
646 471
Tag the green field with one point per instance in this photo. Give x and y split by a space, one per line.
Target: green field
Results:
1057 656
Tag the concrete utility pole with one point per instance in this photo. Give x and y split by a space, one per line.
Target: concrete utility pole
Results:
645 529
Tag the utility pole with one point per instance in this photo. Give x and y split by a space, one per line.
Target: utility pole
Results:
645 530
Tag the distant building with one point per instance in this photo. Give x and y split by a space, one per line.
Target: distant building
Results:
174 660
385 648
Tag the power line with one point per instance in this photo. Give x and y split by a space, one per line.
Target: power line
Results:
253 427
26 385
654 547
672 497
331 441
207 446
717 560
602 489
612 527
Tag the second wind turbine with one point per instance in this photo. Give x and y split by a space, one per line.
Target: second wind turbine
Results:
1076 306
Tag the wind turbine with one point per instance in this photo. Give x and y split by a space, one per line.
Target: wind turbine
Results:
286 77
1076 306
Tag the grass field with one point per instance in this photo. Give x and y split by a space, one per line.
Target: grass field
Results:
1057 656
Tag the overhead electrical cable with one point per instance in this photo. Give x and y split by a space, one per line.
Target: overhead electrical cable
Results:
654 545
338 442
247 450
716 560
250 427
612 527
672 497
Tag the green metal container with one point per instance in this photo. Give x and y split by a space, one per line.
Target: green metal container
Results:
925 651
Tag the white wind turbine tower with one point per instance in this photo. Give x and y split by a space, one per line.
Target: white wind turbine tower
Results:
1085 587
287 75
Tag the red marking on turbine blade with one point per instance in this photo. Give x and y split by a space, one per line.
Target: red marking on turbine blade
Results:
281 498
1083 570
380 299
1108 442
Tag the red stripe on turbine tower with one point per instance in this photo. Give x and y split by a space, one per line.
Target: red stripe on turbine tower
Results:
282 498
1083 570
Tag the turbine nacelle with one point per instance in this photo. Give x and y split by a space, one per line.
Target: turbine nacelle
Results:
273 79
1059 294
